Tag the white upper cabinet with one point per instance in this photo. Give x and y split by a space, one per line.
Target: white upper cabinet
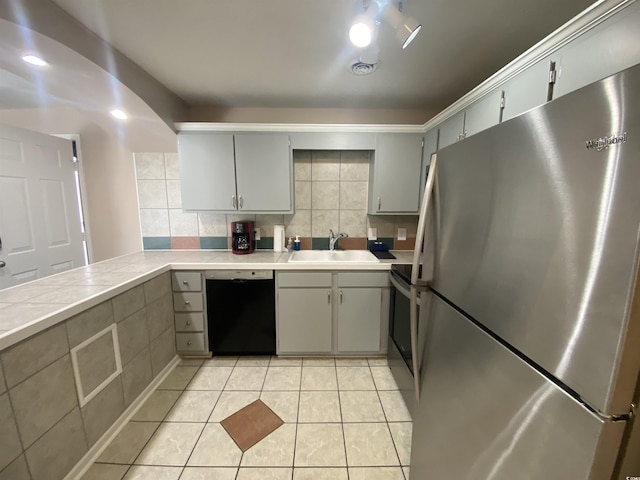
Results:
394 185
608 48
243 172
593 51
529 89
429 148
451 130
480 115
207 171
483 114
264 172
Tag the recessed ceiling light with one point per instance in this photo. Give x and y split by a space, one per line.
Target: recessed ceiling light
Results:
34 60
119 114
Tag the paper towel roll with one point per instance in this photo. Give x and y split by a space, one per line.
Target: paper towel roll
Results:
278 238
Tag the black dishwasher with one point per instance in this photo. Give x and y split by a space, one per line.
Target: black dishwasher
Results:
241 312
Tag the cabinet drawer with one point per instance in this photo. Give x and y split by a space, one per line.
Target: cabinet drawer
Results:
187 302
186 281
308 279
189 322
190 342
363 279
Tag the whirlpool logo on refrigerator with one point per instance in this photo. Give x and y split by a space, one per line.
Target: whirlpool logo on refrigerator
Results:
601 143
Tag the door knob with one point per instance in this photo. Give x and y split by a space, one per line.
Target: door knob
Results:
3 264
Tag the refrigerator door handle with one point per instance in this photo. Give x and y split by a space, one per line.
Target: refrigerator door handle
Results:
422 221
417 252
413 325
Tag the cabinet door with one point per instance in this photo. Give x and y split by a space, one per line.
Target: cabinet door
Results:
527 90
483 113
359 320
207 172
264 172
396 174
304 320
451 130
612 46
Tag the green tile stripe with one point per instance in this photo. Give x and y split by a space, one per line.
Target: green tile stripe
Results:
265 243
156 243
319 243
214 243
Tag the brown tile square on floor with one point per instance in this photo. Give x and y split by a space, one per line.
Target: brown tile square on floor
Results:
251 424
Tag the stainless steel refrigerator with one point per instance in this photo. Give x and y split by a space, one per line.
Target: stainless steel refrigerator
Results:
532 324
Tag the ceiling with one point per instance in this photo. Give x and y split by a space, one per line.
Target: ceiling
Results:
296 53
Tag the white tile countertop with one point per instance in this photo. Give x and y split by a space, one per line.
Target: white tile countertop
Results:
33 307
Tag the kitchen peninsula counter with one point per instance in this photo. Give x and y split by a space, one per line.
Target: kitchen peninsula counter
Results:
33 307
80 351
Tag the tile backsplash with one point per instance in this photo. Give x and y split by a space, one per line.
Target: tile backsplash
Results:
331 189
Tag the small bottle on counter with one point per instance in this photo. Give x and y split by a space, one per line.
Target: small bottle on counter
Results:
290 245
296 244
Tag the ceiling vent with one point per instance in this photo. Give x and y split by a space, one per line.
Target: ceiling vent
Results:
358 67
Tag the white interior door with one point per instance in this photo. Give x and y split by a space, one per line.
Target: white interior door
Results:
39 216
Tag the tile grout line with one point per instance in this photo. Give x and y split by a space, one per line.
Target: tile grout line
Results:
162 421
344 439
395 447
205 424
295 436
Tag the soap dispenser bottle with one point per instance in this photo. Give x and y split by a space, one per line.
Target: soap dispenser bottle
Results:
290 245
296 244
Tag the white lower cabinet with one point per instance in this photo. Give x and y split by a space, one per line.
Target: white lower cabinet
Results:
340 313
304 320
359 315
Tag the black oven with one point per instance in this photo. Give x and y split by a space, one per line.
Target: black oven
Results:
399 352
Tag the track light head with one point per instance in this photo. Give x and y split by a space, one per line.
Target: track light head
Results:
364 29
407 28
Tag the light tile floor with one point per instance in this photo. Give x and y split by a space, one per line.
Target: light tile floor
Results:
344 420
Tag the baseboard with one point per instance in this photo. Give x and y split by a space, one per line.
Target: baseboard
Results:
96 450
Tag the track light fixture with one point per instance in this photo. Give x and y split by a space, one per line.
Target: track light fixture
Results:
364 27
407 28
363 30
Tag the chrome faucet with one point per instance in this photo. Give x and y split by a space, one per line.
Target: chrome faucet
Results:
333 239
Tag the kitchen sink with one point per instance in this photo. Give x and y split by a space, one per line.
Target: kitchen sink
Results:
318 256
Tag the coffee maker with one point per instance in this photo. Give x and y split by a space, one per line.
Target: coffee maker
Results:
242 238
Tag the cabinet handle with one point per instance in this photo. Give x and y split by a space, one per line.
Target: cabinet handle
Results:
379 203
189 342
340 296
233 201
329 296
185 282
188 322
240 201
187 302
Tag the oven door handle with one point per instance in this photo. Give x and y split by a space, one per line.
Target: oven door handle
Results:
402 287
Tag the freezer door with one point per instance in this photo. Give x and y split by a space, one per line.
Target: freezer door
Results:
486 414
538 236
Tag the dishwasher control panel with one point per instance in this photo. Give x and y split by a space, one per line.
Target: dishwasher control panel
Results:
239 274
